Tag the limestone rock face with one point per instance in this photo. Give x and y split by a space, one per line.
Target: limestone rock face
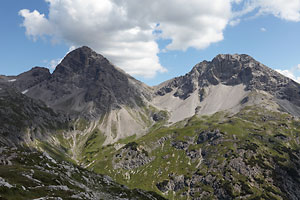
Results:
224 75
231 70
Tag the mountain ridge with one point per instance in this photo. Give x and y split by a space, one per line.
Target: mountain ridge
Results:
239 75
86 85
228 129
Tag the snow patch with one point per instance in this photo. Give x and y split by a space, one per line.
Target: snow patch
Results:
25 91
12 80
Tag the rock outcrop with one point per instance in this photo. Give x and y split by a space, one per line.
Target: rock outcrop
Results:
131 157
225 83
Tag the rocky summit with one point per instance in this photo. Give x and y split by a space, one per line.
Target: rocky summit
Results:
86 83
228 129
228 82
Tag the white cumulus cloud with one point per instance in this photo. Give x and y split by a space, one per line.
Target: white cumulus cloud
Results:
53 63
126 31
284 9
123 30
36 24
289 74
288 10
263 29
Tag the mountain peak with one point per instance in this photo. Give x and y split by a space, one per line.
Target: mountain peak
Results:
237 57
78 59
86 82
84 50
234 71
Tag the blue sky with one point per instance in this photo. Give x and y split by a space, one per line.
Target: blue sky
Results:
267 32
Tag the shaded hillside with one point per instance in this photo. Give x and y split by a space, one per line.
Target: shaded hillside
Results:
24 119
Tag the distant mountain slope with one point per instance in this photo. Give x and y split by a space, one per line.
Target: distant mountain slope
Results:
227 83
88 88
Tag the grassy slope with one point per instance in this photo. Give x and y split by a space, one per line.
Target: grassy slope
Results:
270 137
262 139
